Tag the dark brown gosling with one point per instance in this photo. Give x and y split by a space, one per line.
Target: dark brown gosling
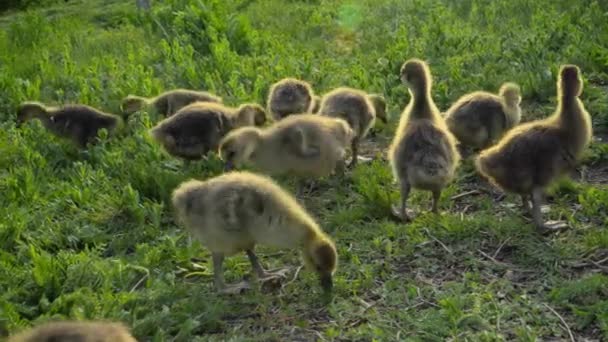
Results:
198 128
79 123
532 155
423 153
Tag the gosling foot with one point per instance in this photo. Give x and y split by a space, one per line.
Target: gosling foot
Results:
553 226
272 280
306 188
400 215
280 273
234 289
359 159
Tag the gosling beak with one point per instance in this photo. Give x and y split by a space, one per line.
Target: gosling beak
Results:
326 282
228 166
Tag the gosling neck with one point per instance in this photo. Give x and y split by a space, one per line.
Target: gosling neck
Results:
512 114
574 122
421 104
570 111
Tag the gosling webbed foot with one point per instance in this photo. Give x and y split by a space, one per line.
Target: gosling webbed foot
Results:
234 289
305 188
402 215
553 227
270 280
280 273
359 160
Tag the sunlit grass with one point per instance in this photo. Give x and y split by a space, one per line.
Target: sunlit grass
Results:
90 234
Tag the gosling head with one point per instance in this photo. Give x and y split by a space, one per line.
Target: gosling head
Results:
132 104
510 93
250 114
321 256
416 75
237 146
380 106
29 110
290 96
570 82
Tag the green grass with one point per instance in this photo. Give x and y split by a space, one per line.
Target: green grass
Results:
90 235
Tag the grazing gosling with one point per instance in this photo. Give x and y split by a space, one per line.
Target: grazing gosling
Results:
303 145
290 96
357 108
480 118
75 331
79 123
423 153
234 212
531 156
199 127
167 103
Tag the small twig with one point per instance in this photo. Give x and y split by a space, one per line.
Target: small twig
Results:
438 241
587 264
601 267
414 306
489 257
563 322
465 194
139 282
601 261
463 211
500 247
424 300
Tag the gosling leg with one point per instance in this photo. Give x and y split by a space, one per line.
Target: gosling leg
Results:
525 204
259 270
340 168
402 212
218 276
436 196
355 152
541 226
305 187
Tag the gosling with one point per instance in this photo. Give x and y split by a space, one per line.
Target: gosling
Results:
167 103
198 128
79 123
234 212
302 145
423 153
290 96
480 119
358 109
75 331
531 156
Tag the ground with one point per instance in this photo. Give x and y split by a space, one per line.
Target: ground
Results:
91 235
